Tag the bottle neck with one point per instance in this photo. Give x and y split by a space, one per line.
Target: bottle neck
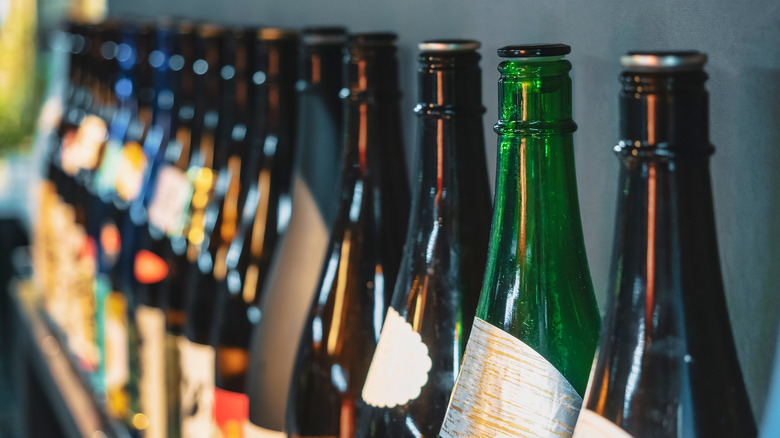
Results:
536 183
664 112
667 241
321 66
371 107
451 154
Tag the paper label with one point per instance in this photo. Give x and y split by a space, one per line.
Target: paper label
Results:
231 412
507 390
253 431
112 153
82 150
130 171
171 201
197 389
149 268
151 385
117 354
400 365
593 425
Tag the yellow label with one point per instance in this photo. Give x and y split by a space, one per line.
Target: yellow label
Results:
117 354
593 425
506 389
130 172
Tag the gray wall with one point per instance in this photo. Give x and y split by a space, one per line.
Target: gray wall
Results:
743 43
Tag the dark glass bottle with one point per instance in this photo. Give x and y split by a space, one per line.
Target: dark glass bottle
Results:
364 253
165 212
667 365
526 363
419 351
196 353
247 260
294 272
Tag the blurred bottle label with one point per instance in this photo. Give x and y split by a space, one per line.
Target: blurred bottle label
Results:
83 150
507 390
197 389
151 387
149 268
117 354
108 167
593 425
400 366
130 171
232 412
171 201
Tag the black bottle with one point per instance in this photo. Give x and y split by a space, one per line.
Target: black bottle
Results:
295 268
666 363
257 225
422 342
364 253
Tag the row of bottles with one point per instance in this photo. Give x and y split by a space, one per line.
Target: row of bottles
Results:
228 240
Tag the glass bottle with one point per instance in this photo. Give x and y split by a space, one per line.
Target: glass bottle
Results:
362 261
196 353
295 268
528 355
667 365
421 345
245 262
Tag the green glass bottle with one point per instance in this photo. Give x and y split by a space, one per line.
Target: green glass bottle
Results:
527 360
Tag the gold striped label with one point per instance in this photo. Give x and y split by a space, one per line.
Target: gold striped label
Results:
593 425
506 389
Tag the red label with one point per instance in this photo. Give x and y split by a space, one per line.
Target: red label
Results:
149 267
231 412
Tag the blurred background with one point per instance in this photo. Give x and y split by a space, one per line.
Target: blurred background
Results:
744 69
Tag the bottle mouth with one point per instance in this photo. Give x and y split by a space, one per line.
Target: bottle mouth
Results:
663 61
325 35
448 45
535 52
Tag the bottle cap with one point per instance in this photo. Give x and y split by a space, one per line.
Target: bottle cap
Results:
663 61
534 50
448 45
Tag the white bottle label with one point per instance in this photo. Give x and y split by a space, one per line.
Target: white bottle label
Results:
253 431
197 389
171 201
507 390
151 330
593 425
117 350
400 365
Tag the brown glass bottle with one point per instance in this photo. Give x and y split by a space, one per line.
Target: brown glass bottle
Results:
666 363
419 352
364 253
